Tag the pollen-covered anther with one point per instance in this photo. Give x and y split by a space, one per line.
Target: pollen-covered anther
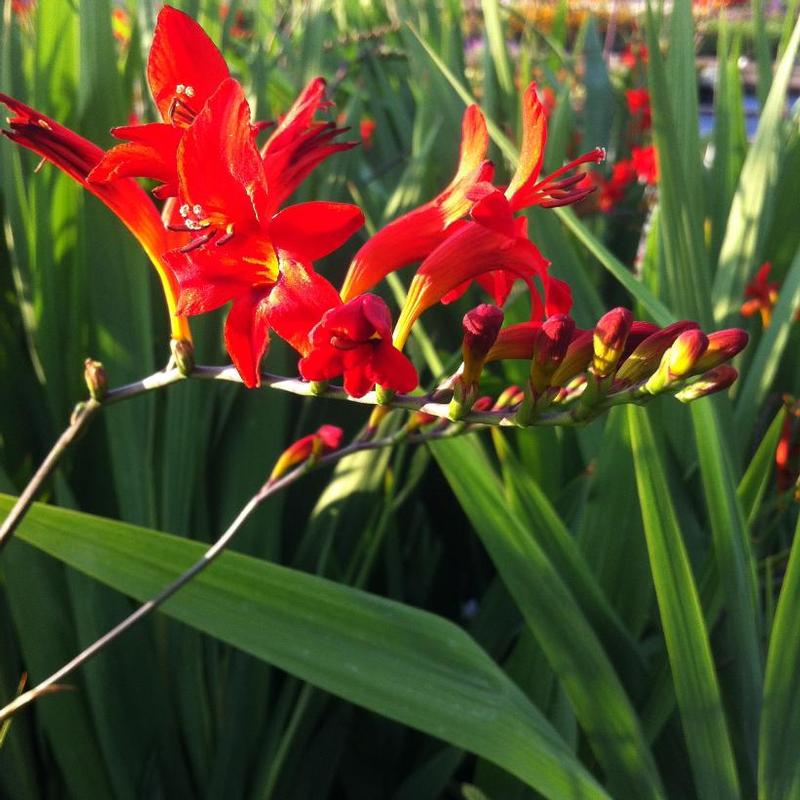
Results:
197 210
184 210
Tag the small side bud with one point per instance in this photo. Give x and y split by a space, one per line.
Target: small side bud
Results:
420 419
183 353
481 326
509 397
94 374
722 347
610 335
550 347
308 449
715 380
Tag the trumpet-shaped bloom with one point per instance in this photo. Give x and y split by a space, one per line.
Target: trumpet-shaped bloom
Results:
414 235
184 68
761 294
243 250
77 157
299 143
354 339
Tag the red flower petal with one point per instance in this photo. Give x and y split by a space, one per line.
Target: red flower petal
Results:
207 282
297 303
534 137
390 369
149 153
309 231
218 163
182 54
247 334
322 364
77 157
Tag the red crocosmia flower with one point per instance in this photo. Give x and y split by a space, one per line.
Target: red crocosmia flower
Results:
639 107
366 129
299 143
77 157
183 70
612 191
355 340
243 251
645 164
494 247
761 294
414 235
634 54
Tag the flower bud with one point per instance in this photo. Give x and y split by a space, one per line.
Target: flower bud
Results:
679 361
310 448
645 358
511 396
481 326
183 353
420 419
714 380
550 347
685 353
94 374
484 403
579 354
722 347
610 335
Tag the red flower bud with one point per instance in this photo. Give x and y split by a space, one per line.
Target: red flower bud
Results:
579 354
714 380
610 335
309 448
550 348
722 347
481 327
645 358
685 352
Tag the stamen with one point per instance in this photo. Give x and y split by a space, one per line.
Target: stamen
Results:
189 91
226 237
180 88
198 242
197 210
184 210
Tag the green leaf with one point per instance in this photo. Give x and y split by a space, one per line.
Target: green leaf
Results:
403 663
737 574
779 766
686 282
696 688
756 478
600 703
751 210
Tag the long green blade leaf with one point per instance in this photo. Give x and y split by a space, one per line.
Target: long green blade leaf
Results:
779 766
600 703
400 662
696 687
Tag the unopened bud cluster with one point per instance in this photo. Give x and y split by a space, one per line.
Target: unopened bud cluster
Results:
583 372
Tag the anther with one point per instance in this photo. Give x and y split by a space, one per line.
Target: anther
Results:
189 91
197 210
184 210
180 89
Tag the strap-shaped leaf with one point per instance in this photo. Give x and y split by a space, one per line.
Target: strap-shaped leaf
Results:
406 664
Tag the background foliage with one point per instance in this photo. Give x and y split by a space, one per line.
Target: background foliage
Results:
606 611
